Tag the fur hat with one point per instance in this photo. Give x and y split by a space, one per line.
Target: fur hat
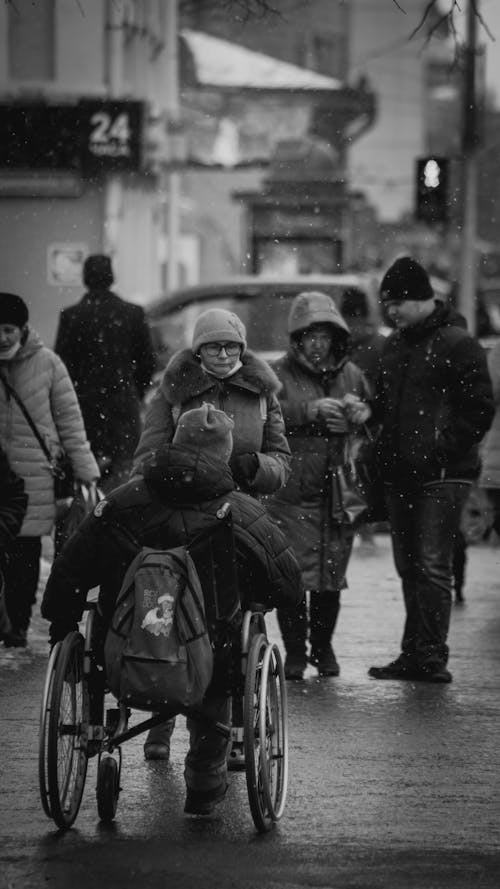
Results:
406 279
354 303
207 429
97 271
314 307
218 325
13 310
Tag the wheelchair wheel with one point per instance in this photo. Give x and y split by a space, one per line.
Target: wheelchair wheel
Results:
108 787
273 732
43 780
66 738
255 745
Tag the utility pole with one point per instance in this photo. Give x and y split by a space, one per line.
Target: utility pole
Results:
113 196
173 118
470 141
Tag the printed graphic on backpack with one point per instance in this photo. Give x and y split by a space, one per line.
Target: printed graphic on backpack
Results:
157 649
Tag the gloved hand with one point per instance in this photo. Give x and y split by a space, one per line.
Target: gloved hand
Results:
356 411
244 467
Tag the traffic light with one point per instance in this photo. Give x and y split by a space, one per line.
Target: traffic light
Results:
432 189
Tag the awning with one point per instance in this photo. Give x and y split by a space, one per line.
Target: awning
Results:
220 63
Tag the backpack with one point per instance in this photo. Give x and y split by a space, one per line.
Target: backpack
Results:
157 650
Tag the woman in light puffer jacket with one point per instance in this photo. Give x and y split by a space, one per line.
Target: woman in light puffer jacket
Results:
42 382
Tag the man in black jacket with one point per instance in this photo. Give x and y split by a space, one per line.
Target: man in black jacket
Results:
184 486
435 403
106 345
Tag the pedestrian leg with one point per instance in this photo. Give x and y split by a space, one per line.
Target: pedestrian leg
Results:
293 626
324 610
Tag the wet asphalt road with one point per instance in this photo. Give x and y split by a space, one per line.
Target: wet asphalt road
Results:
392 785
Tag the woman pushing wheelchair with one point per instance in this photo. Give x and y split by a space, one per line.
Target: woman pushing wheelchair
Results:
183 487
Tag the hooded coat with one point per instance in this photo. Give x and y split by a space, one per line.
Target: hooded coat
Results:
179 496
434 401
249 397
42 382
304 507
106 345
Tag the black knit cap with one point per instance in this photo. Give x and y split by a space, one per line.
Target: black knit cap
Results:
353 303
406 279
13 310
97 271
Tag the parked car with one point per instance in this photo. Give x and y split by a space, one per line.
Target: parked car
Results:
261 302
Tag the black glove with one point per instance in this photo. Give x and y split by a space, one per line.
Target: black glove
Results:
244 468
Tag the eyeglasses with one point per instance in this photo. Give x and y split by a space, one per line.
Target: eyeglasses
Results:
215 349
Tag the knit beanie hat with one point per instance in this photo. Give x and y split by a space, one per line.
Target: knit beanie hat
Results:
406 279
97 271
13 310
314 307
218 325
354 303
207 429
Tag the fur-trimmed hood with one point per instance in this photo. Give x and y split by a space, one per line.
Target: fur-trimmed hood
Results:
184 377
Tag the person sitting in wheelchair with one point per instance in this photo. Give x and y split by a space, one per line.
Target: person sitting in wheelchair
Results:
184 485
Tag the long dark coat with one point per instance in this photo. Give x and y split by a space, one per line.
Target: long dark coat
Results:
106 345
179 496
304 508
249 397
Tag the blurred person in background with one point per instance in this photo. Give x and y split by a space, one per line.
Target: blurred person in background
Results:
365 347
38 377
366 341
13 502
106 345
324 399
489 478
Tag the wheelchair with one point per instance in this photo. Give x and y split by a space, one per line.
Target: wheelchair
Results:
75 724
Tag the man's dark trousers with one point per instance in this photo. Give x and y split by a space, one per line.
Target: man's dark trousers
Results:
424 527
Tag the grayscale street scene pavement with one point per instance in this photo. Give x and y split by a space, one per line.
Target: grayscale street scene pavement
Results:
392 784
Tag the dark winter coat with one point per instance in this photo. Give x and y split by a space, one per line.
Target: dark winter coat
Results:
304 507
249 397
13 502
434 400
179 496
106 345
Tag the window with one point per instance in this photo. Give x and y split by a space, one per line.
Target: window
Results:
31 40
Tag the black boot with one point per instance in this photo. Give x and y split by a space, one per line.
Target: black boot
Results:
293 626
324 611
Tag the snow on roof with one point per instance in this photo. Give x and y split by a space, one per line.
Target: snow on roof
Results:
221 63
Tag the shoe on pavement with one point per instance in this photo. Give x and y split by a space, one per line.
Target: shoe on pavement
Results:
434 672
156 750
294 668
325 662
236 758
203 802
398 669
